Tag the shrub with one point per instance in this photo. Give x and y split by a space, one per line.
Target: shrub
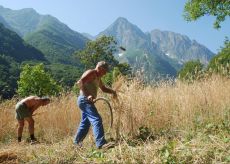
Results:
35 81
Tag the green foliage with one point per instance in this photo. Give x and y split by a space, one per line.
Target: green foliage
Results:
35 81
195 9
103 48
65 75
166 153
108 79
221 63
9 71
100 49
122 68
191 71
144 134
96 154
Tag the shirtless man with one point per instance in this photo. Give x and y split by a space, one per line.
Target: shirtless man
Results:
89 84
24 111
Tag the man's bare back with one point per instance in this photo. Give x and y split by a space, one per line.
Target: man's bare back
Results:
24 111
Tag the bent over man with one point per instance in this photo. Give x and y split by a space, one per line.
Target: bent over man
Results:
24 111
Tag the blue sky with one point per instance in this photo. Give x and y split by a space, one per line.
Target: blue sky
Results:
93 16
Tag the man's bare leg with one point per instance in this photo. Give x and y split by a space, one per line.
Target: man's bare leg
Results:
30 121
20 129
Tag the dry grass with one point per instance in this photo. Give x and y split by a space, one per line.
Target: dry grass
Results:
177 122
174 106
8 157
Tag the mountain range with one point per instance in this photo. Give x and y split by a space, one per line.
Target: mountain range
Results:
155 52
150 54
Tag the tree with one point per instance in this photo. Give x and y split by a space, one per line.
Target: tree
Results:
65 75
195 9
124 69
35 81
9 74
221 62
102 48
191 71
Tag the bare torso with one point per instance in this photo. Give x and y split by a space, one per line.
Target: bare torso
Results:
32 102
90 83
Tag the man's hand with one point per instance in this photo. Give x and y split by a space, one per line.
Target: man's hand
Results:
114 94
90 98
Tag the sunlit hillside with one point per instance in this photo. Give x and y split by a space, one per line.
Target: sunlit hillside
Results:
172 122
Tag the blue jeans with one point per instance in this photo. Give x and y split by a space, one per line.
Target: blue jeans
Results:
91 116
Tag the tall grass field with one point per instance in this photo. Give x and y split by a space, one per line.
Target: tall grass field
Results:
170 122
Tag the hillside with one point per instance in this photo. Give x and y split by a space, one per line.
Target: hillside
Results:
55 39
22 21
14 46
2 21
147 66
13 51
9 71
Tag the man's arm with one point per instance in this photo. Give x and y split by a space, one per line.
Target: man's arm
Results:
106 89
37 104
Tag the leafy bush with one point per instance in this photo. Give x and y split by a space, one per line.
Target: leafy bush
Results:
191 71
221 63
35 81
65 75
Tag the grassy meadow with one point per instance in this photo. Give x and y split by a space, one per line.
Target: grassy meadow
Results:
172 122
